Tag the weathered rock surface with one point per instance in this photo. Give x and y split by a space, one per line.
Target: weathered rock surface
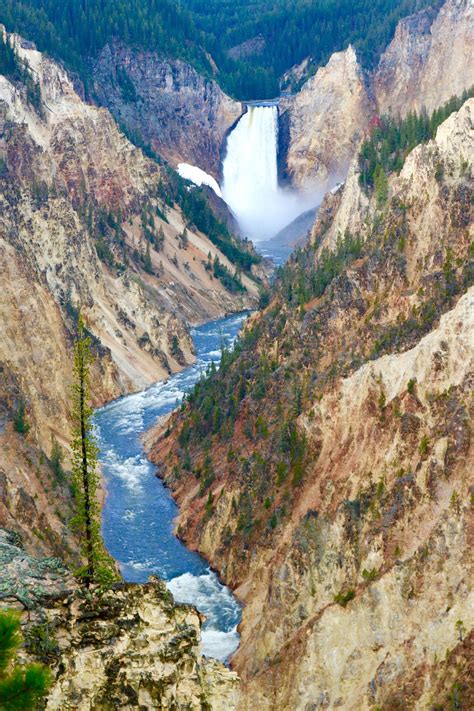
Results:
129 647
430 59
69 180
349 537
327 118
26 581
182 115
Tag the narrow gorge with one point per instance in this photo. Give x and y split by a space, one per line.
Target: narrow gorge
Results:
261 225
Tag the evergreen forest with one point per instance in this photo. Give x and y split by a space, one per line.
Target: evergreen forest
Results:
251 43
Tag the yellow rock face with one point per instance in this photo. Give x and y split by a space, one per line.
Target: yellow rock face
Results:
64 168
358 591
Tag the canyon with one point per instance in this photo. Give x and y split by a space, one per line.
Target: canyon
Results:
340 477
72 186
325 471
187 118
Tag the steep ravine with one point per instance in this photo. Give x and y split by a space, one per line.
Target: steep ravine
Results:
73 189
340 471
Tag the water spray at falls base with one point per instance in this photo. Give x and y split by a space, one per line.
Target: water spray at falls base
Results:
250 177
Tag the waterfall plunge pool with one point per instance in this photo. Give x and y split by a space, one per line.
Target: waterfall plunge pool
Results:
139 511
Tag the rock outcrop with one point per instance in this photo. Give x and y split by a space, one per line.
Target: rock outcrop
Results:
182 115
430 59
327 118
72 187
129 647
340 480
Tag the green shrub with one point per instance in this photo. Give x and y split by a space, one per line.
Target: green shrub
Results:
20 422
21 687
343 598
40 641
424 446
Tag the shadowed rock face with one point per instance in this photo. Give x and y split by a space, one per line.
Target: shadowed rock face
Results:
184 116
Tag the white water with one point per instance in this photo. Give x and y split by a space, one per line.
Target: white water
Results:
139 512
217 603
250 177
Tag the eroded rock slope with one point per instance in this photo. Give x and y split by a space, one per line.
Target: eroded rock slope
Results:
87 221
327 471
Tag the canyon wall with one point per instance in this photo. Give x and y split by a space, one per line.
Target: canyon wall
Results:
184 116
335 496
326 121
72 187
430 59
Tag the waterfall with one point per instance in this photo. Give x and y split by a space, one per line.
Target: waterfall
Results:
250 173
250 176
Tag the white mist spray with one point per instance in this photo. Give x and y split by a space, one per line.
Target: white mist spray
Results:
250 176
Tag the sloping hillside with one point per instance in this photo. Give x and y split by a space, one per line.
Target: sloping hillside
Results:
87 221
326 471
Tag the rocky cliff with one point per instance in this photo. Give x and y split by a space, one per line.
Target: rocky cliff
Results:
182 115
326 121
86 220
430 59
130 647
335 495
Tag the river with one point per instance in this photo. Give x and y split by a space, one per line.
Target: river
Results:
139 511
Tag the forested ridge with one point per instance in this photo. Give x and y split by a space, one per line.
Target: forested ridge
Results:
76 30
294 31
392 139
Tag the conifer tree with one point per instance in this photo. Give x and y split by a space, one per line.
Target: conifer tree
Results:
147 264
85 478
161 238
20 686
381 186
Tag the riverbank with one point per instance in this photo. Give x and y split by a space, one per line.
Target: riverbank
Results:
139 512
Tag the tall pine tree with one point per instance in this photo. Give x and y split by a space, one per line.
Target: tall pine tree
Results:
85 477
